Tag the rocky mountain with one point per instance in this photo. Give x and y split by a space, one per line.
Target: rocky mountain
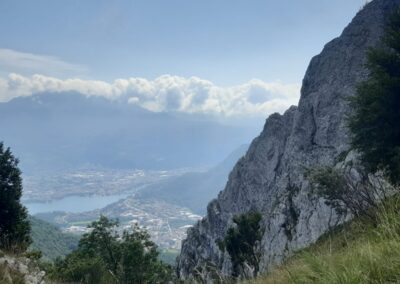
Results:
270 178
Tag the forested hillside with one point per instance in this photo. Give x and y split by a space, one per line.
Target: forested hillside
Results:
50 240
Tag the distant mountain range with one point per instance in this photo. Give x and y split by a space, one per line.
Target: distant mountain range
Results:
195 190
71 131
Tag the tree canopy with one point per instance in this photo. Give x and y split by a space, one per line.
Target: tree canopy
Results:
14 225
375 121
106 256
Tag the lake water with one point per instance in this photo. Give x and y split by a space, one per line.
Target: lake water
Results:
74 204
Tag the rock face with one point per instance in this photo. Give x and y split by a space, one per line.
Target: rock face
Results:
270 177
19 270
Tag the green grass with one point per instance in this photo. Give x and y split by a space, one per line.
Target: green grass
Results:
357 252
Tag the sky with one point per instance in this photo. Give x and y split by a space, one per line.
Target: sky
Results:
225 57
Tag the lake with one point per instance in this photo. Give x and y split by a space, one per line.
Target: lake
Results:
74 204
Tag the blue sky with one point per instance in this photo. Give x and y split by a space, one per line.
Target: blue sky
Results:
227 42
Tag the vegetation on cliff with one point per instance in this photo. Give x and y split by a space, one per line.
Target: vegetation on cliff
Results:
242 242
357 252
367 249
374 122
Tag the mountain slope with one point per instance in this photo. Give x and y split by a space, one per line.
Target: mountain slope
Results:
195 190
271 177
368 252
50 240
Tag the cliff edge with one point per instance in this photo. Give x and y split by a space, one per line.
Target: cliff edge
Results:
270 177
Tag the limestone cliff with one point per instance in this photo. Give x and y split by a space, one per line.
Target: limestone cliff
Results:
270 177
19 269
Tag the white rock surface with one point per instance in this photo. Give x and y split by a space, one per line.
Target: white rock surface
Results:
21 265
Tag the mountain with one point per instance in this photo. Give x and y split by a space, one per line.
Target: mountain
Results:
49 239
270 178
62 131
195 190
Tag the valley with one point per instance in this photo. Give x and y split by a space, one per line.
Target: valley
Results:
166 223
165 202
46 187
72 200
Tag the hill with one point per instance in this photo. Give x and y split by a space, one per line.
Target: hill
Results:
195 190
50 240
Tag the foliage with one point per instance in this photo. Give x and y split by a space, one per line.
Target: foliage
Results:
242 243
357 252
50 240
14 225
348 189
105 256
374 122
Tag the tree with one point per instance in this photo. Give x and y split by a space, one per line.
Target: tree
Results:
102 242
374 123
104 256
140 253
14 225
242 242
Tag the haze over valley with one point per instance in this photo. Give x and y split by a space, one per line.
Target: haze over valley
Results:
89 156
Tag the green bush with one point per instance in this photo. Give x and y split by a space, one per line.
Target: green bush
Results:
242 242
105 256
374 122
346 192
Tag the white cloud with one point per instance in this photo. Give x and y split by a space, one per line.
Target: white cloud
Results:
167 93
28 63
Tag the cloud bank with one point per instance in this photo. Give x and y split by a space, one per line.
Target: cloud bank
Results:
167 93
28 63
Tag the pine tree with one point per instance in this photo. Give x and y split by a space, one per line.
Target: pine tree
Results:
375 122
14 225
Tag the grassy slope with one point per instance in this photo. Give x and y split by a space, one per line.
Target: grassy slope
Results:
50 240
357 252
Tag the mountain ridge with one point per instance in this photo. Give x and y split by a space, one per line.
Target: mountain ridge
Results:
194 190
270 178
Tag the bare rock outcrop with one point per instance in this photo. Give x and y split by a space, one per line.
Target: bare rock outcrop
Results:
17 269
270 177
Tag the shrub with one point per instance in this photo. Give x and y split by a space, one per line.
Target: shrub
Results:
242 242
348 190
